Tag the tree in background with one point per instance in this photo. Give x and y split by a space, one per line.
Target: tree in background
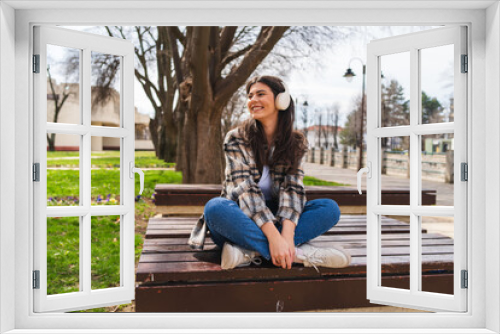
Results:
319 127
331 125
432 110
58 105
198 70
395 109
304 116
65 69
335 122
154 71
349 134
235 111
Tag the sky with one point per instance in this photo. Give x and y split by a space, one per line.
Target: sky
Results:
327 85
323 84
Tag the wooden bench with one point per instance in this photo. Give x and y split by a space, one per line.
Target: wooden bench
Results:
190 199
174 278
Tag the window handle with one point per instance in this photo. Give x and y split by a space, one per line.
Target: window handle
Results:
138 171
367 170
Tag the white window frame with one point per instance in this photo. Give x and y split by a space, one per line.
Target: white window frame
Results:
483 213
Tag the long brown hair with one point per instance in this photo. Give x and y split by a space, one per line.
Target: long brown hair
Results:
289 145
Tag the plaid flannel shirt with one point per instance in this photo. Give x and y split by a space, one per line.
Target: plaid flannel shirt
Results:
242 179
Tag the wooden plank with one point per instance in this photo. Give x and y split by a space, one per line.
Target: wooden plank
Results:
335 230
284 296
338 238
169 247
191 221
180 227
349 199
217 189
187 226
211 271
214 255
197 210
199 195
342 218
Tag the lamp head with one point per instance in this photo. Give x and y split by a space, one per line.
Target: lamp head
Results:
349 74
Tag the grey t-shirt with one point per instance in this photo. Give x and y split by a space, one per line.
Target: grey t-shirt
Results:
265 183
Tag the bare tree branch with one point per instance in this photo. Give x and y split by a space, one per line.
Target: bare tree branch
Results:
260 49
172 38
230 56
177 33
226 39
215 55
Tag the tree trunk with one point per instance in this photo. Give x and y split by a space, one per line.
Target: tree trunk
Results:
209 167
190 149
180 158
168 142
201 104
52 142
153 129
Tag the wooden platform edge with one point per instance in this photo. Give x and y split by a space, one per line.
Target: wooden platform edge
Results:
276 296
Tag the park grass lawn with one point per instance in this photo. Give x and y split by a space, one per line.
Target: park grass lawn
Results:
63 154
105 159
63 233
312 181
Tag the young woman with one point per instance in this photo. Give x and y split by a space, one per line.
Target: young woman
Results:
263 209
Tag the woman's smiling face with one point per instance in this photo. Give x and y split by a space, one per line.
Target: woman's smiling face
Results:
260 102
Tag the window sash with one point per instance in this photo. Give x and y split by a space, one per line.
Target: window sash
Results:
86 298
413 298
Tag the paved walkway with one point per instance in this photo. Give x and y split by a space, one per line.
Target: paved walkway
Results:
348 176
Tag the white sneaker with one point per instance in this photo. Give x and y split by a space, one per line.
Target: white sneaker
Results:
336 257
234 256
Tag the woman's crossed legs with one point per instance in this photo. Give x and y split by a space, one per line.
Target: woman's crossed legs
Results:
227 223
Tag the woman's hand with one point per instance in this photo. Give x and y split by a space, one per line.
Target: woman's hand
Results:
288 233
278 247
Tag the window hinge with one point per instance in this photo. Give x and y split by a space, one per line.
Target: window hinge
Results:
465 64
36 63
464 171
36 279
465 279
36 172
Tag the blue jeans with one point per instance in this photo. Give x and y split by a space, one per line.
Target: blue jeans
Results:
227 222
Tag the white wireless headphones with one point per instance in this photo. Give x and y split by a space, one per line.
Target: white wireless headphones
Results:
282 100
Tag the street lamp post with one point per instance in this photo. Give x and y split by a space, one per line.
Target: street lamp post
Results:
349 74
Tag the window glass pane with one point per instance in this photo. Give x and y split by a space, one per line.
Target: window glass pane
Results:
438 169
437 254
63 170
105 89
395 251
105 170
105 258
395 89
63 255
63 85
395 180
436 83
